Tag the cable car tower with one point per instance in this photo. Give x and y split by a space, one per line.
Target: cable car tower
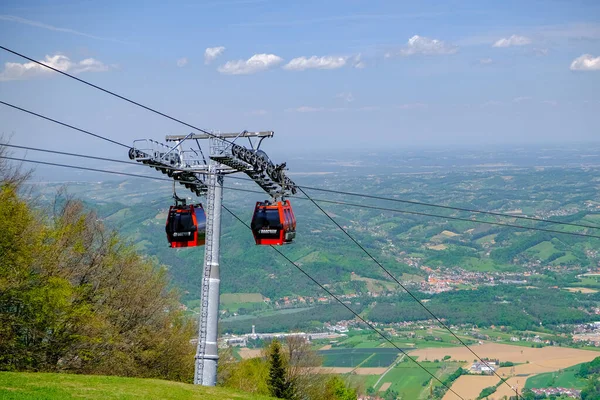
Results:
188 166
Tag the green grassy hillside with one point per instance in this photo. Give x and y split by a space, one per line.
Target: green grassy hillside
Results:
40 386
565 378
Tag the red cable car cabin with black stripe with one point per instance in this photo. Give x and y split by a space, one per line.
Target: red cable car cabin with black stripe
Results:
273 223
186 226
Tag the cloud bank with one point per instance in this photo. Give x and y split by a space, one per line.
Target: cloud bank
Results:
424 45
256 63
17 71
212 53
586 62
513 40
314 62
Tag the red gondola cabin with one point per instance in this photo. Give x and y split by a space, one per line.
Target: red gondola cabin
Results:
273 224
186 226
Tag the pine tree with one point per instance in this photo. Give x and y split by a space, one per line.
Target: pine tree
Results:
279 385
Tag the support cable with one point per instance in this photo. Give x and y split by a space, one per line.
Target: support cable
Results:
84 168
413 202
274 248
422 214
110 92
424 204
321 209
405 289
348 308
64 153
533 228
64 124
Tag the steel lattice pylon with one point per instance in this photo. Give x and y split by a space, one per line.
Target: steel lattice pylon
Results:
205 177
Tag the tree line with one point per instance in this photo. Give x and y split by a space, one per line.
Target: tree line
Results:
286 370
76 297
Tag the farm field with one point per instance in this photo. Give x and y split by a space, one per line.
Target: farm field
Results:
228 298
409 380
355 371
469 386
532 361
249 353
367 341
564 378
406 378
367 358
553 358
581 290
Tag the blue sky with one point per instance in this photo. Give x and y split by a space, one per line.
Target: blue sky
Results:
322 74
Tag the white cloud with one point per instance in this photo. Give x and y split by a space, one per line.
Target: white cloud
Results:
211 53
486 61
586 62
256 63
17 71
552 103
346 96
314 62
182 62
513 40
424 45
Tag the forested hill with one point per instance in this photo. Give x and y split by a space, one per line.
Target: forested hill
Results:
74 297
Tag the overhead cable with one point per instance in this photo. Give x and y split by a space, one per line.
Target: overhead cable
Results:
365 206
370 325
404 287
63 124
108 92
418 203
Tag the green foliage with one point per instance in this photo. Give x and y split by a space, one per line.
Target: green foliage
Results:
592 390
74 297
390 394
486 392
291 321
512 306
454 376
279 385
249 375
288 370
336 389
506 254
591 368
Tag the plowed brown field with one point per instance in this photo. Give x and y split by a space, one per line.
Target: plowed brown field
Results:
535 361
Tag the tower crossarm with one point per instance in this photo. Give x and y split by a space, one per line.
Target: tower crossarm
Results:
184 166
256 164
